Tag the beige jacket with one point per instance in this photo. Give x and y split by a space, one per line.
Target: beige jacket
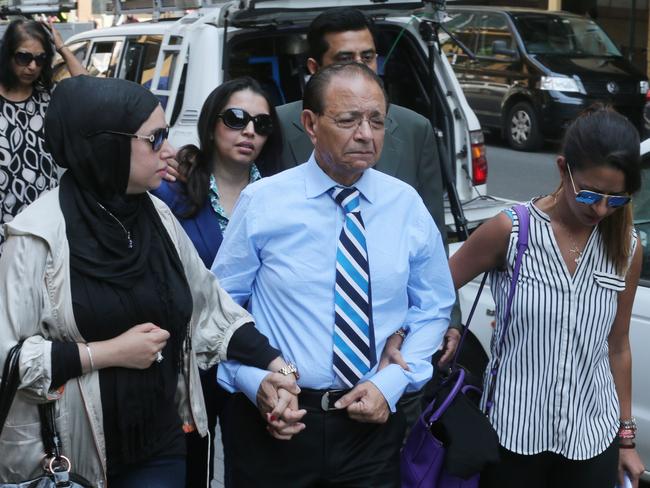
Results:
35 304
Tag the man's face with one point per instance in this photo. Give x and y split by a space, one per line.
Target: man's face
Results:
349 135
346 47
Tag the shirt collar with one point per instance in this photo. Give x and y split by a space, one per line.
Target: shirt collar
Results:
317 182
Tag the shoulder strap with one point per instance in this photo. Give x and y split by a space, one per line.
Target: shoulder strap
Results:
523 218
9 383
522 244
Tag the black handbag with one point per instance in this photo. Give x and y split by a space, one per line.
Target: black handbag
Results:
56 467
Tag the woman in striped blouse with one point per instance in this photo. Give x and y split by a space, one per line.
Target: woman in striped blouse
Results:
562 398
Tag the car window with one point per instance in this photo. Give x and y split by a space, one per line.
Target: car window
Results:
103 58
641 203
464 27
564 36
493 27
139 59
60 69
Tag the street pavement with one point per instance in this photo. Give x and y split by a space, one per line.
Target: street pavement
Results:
520 175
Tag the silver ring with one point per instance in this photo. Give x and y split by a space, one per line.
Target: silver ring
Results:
159 357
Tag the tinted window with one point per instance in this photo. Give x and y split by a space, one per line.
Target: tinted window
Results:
493 28
139 60
464 27
566 36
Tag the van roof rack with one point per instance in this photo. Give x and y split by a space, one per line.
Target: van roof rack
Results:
28 8
156 7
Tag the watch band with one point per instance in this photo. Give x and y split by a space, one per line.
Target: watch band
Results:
290 368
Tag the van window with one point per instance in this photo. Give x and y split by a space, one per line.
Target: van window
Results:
564 36
139 59
60 69
464 27
493 27
103 58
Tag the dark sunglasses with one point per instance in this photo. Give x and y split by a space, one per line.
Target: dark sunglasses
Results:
589 197
24 59
156 138
237 119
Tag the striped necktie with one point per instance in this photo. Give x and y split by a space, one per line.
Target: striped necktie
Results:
354 352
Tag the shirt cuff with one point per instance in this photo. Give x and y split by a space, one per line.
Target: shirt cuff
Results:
391 382
248 380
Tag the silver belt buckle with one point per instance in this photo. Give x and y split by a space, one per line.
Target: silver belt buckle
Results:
325 402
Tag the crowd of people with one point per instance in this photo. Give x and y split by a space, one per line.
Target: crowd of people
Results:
304 251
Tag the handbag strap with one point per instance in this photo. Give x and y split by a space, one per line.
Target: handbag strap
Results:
522 244
9 383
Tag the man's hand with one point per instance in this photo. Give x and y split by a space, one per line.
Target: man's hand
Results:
285 425
450 343
365 403
392 354
267 397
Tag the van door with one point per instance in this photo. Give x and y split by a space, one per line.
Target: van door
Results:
497 68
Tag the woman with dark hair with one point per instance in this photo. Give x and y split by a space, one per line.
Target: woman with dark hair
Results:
114 306
563 389
26 168
239 143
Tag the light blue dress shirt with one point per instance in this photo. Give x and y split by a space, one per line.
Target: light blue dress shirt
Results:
279 254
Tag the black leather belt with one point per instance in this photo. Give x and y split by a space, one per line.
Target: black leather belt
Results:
320 399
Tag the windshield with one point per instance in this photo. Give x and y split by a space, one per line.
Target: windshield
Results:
567 36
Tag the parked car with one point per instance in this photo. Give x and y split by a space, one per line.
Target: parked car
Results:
183 60
475 356
535 70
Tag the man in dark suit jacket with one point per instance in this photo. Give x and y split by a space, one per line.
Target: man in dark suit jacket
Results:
342 35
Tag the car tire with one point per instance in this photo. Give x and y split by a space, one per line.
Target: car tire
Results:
522 128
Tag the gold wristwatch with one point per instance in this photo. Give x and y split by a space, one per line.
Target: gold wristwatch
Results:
290 368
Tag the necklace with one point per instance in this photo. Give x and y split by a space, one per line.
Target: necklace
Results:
128 233
576 250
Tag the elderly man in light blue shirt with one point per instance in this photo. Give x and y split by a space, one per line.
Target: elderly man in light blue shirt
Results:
333 258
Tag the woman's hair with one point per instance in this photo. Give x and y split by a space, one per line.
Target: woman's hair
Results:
196 162
17 32
600 136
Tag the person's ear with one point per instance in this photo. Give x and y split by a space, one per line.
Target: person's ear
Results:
309 121
561 165
312 66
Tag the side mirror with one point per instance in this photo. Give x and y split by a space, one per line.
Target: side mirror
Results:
500 47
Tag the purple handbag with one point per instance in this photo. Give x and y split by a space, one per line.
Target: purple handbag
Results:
425 455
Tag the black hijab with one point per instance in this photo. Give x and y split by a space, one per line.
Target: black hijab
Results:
93 190
102 222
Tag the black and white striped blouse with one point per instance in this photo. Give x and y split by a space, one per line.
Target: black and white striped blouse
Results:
555 391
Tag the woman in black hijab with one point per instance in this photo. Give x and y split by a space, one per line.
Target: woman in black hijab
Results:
115 306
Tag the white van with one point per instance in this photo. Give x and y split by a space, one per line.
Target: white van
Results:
183 60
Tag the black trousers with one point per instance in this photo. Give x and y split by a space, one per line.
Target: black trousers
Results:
201 449
332 451
550 470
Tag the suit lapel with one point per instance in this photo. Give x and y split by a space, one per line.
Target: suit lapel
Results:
391 153
299 143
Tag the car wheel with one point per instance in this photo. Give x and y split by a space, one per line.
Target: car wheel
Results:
522 129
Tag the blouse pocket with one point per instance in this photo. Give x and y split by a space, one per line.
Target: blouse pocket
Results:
609 281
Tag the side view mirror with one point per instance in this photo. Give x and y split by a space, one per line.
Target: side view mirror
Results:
500 47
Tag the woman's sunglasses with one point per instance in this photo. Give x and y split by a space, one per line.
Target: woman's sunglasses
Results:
156 138
237 119
24 59
592 197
